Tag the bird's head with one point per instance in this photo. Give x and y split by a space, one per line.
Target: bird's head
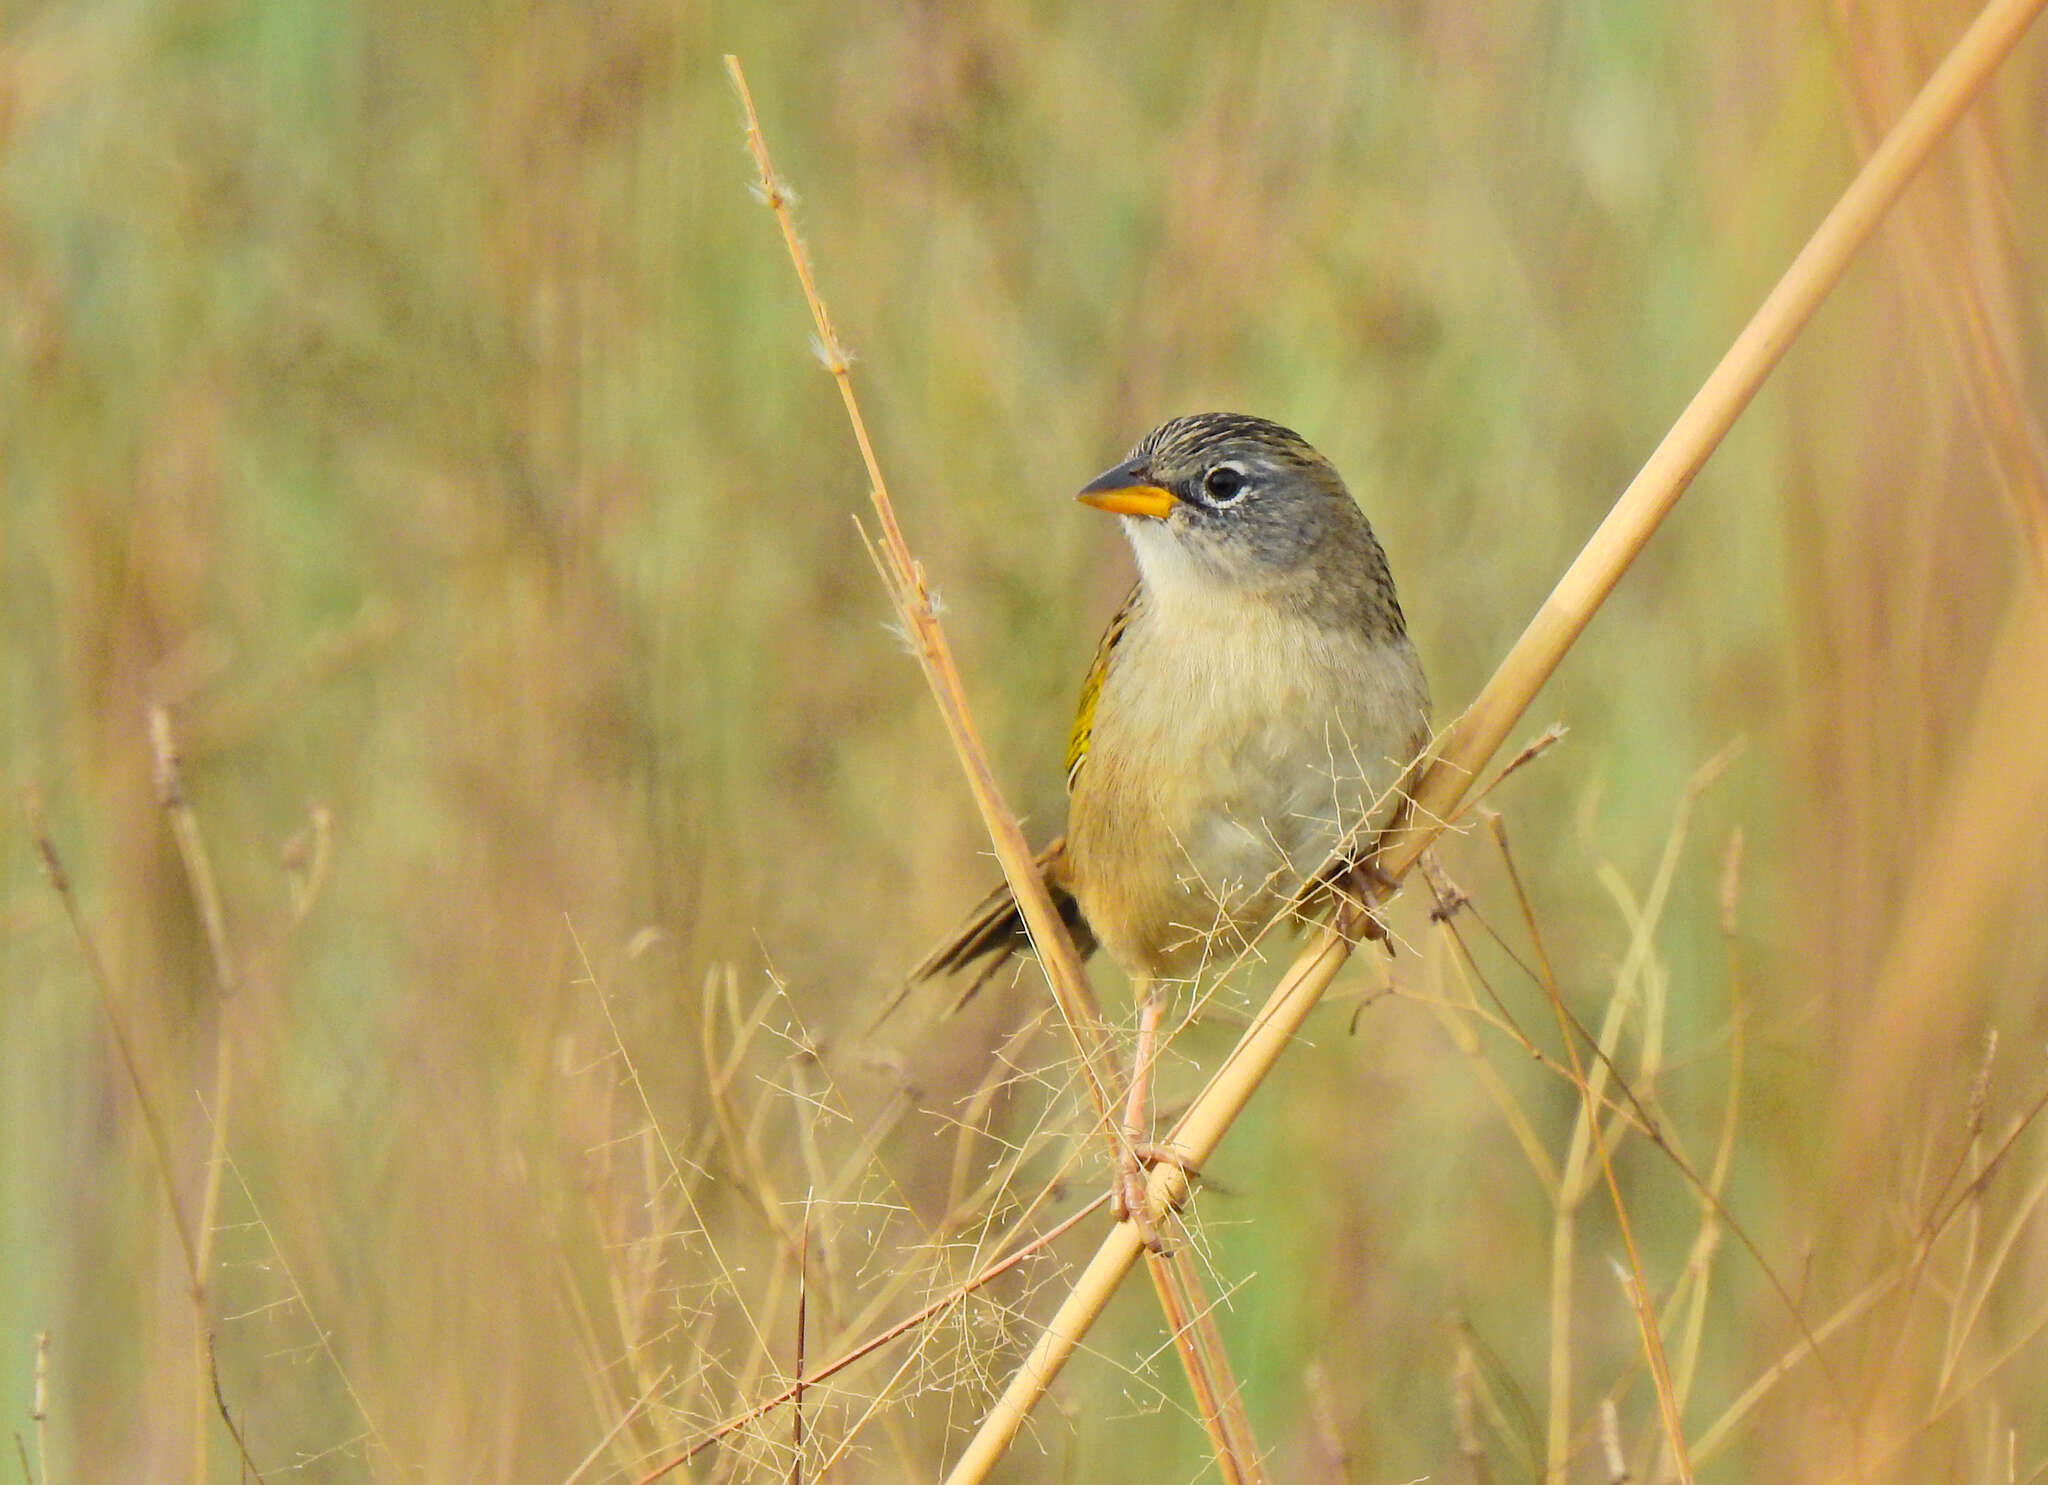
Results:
1220 497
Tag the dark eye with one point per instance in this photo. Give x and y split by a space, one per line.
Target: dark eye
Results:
1224 483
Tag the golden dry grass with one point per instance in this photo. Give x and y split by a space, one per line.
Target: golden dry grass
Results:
415 405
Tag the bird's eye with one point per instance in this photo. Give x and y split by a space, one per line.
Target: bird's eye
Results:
1224 483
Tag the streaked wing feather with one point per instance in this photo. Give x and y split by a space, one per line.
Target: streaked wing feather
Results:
994 929
1091 688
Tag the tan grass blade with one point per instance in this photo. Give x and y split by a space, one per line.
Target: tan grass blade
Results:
1946 274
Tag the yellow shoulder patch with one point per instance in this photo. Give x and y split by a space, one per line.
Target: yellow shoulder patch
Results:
1091 689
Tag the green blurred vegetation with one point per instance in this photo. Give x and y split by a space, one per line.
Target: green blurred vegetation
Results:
413 400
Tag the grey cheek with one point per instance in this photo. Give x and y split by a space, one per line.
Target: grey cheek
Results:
1287 539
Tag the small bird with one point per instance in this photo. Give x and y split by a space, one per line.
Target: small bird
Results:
1251 711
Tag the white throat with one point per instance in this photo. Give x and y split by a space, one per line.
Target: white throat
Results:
1169 568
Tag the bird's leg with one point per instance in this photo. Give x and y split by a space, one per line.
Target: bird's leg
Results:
1135 1151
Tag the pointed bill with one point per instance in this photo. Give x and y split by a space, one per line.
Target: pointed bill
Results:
1126 491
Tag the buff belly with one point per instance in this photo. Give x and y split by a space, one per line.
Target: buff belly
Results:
1194 827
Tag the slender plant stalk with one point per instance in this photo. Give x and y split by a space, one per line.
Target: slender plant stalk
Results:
199 879
1238 1444
1711 1440
195 1234
796 1396
59 879
1190 1318
1500 704
1699 1265
597 1450
39 1407
1173 1275
1180 1325
875 1342
904 577
1589 1127
1564 1253
1940 272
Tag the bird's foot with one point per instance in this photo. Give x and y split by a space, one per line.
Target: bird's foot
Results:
1131 1196
1362 886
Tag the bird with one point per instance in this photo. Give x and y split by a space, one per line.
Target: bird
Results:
1252 711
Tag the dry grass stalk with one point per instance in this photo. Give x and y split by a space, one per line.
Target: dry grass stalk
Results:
1952 1204
1465 1389
796 1396
39 1410
879 1339
1631 1109
1563 616
1588 1132
195 1232
1956 254
198 865
1173 1276
905 580
1191 1321
59 879
1690 1298
1946 274
619 1426
1639 994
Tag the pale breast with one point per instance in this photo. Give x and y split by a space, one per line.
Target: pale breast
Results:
1233 749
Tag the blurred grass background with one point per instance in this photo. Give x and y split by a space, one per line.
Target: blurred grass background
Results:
413 400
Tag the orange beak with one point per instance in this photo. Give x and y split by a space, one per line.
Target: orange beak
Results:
1125 491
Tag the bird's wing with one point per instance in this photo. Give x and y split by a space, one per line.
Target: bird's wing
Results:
1091 689
995 930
